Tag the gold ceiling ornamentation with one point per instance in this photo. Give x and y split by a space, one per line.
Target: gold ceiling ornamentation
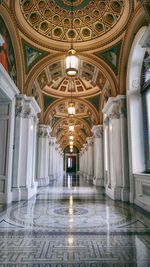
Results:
91 19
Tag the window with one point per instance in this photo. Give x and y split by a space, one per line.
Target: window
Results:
146 108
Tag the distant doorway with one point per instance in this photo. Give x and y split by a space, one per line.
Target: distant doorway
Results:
71 163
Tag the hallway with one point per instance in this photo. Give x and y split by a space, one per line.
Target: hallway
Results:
72 223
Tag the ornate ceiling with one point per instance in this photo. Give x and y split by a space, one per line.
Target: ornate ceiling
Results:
53 19
43 34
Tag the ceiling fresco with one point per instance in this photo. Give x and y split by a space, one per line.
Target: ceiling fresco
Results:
31 55
111 56
53 19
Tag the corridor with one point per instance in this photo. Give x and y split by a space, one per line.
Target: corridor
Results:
72 223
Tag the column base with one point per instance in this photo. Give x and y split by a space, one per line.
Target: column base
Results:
27 193
51 178
43 181
125 194
23 193
98 181
118 193
15 194
89 177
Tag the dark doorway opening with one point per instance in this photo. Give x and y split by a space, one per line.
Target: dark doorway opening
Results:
71 163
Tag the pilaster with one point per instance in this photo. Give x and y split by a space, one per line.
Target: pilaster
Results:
43 155
23 183
98 155
118 183
90 158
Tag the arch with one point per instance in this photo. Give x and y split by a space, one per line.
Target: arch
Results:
134 109
137 21
61 101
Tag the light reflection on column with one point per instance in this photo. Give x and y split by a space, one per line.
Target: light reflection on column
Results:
70 241
69 181
71 212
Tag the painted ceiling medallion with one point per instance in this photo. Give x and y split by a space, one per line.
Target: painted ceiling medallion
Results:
91 19
77 4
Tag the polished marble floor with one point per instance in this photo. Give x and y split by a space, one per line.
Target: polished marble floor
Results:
71 223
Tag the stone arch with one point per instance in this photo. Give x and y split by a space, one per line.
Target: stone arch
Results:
134 109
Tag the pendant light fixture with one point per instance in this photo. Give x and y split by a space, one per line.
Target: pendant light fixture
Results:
71 59
71 105
71 127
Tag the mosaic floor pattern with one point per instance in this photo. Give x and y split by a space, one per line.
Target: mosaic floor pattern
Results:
71 223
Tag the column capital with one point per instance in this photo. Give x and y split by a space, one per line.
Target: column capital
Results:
44 130
84 147
56 146
97 131
89 141
52 140
26 106
115 107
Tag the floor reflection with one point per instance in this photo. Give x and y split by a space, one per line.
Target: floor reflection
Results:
73 222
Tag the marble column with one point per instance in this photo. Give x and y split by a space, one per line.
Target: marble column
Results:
61 162
50 168
43 155
106 152
23 184
53 159
90 158
118 185
80 161
98 155
86 161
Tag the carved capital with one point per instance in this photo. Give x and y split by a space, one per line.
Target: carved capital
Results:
123 108
97 131
114 115
36 120
44 131
106 121
23 112
89 141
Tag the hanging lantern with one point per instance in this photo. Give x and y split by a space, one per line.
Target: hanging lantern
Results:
71 63
71 142
71 127
71 108
71 137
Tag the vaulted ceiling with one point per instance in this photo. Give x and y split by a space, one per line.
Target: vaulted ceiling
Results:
43 34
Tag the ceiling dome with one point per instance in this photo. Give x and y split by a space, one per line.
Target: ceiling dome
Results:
91 19
67 4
